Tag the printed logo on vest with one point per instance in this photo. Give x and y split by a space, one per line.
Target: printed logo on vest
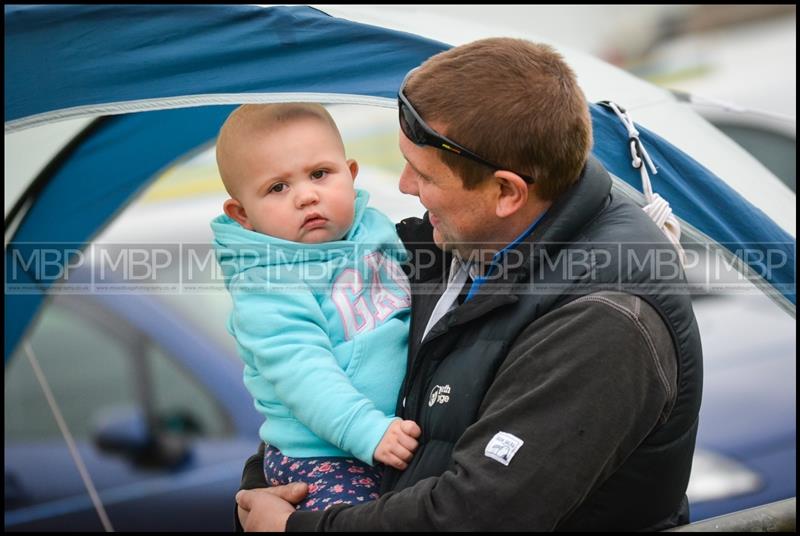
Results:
440 394
503 447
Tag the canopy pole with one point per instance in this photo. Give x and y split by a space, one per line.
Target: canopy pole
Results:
73 450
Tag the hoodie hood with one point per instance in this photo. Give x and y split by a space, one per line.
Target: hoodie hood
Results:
239 249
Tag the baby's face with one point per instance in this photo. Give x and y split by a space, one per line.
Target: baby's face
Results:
295 183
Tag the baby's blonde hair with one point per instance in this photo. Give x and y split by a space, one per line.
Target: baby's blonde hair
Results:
250 119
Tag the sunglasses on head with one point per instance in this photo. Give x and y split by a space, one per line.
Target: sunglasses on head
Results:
416 130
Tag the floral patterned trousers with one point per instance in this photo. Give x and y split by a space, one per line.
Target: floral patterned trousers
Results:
330 480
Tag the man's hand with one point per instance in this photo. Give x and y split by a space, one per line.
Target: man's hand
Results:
398 444
267 509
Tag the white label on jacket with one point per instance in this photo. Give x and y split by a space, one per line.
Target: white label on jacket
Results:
503 447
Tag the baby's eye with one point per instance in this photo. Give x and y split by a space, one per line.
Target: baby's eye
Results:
318 174
278 188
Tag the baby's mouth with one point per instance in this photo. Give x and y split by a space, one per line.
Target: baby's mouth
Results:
314 220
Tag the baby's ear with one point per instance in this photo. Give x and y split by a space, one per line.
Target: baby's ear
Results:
353 165
235 211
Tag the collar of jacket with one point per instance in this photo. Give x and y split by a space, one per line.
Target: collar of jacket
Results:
571 213
563 221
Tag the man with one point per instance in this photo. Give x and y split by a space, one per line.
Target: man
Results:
555 375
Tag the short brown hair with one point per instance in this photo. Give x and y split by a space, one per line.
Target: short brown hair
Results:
511 101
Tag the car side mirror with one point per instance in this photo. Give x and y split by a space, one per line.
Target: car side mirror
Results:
127 432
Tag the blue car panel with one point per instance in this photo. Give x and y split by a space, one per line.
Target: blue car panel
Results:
192 491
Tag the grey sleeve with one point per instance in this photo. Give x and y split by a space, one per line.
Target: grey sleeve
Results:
581 388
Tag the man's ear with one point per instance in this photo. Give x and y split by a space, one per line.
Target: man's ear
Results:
512 193
235 211
353 165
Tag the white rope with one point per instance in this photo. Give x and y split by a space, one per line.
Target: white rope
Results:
657 208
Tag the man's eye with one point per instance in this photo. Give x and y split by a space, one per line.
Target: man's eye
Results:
278 188
318 174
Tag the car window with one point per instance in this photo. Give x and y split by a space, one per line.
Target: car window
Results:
180 402
86 367
92 369
778 153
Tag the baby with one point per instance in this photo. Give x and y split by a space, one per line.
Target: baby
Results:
320 303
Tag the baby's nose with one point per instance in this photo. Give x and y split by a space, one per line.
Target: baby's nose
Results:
306 196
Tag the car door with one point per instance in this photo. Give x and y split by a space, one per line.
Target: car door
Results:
162 452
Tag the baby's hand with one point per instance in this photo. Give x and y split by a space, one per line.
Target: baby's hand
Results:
398 444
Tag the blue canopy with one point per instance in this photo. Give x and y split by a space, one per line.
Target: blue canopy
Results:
166 77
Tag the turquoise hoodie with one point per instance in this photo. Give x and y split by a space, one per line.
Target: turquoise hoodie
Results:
322 330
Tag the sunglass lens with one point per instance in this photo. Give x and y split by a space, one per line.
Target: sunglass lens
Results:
410 127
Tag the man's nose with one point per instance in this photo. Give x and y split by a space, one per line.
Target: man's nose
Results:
408 182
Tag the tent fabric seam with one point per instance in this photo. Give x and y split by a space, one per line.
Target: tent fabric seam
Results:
146 105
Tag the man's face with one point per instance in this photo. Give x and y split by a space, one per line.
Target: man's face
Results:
462 219
294 183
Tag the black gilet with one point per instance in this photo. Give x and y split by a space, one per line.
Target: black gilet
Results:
590 240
